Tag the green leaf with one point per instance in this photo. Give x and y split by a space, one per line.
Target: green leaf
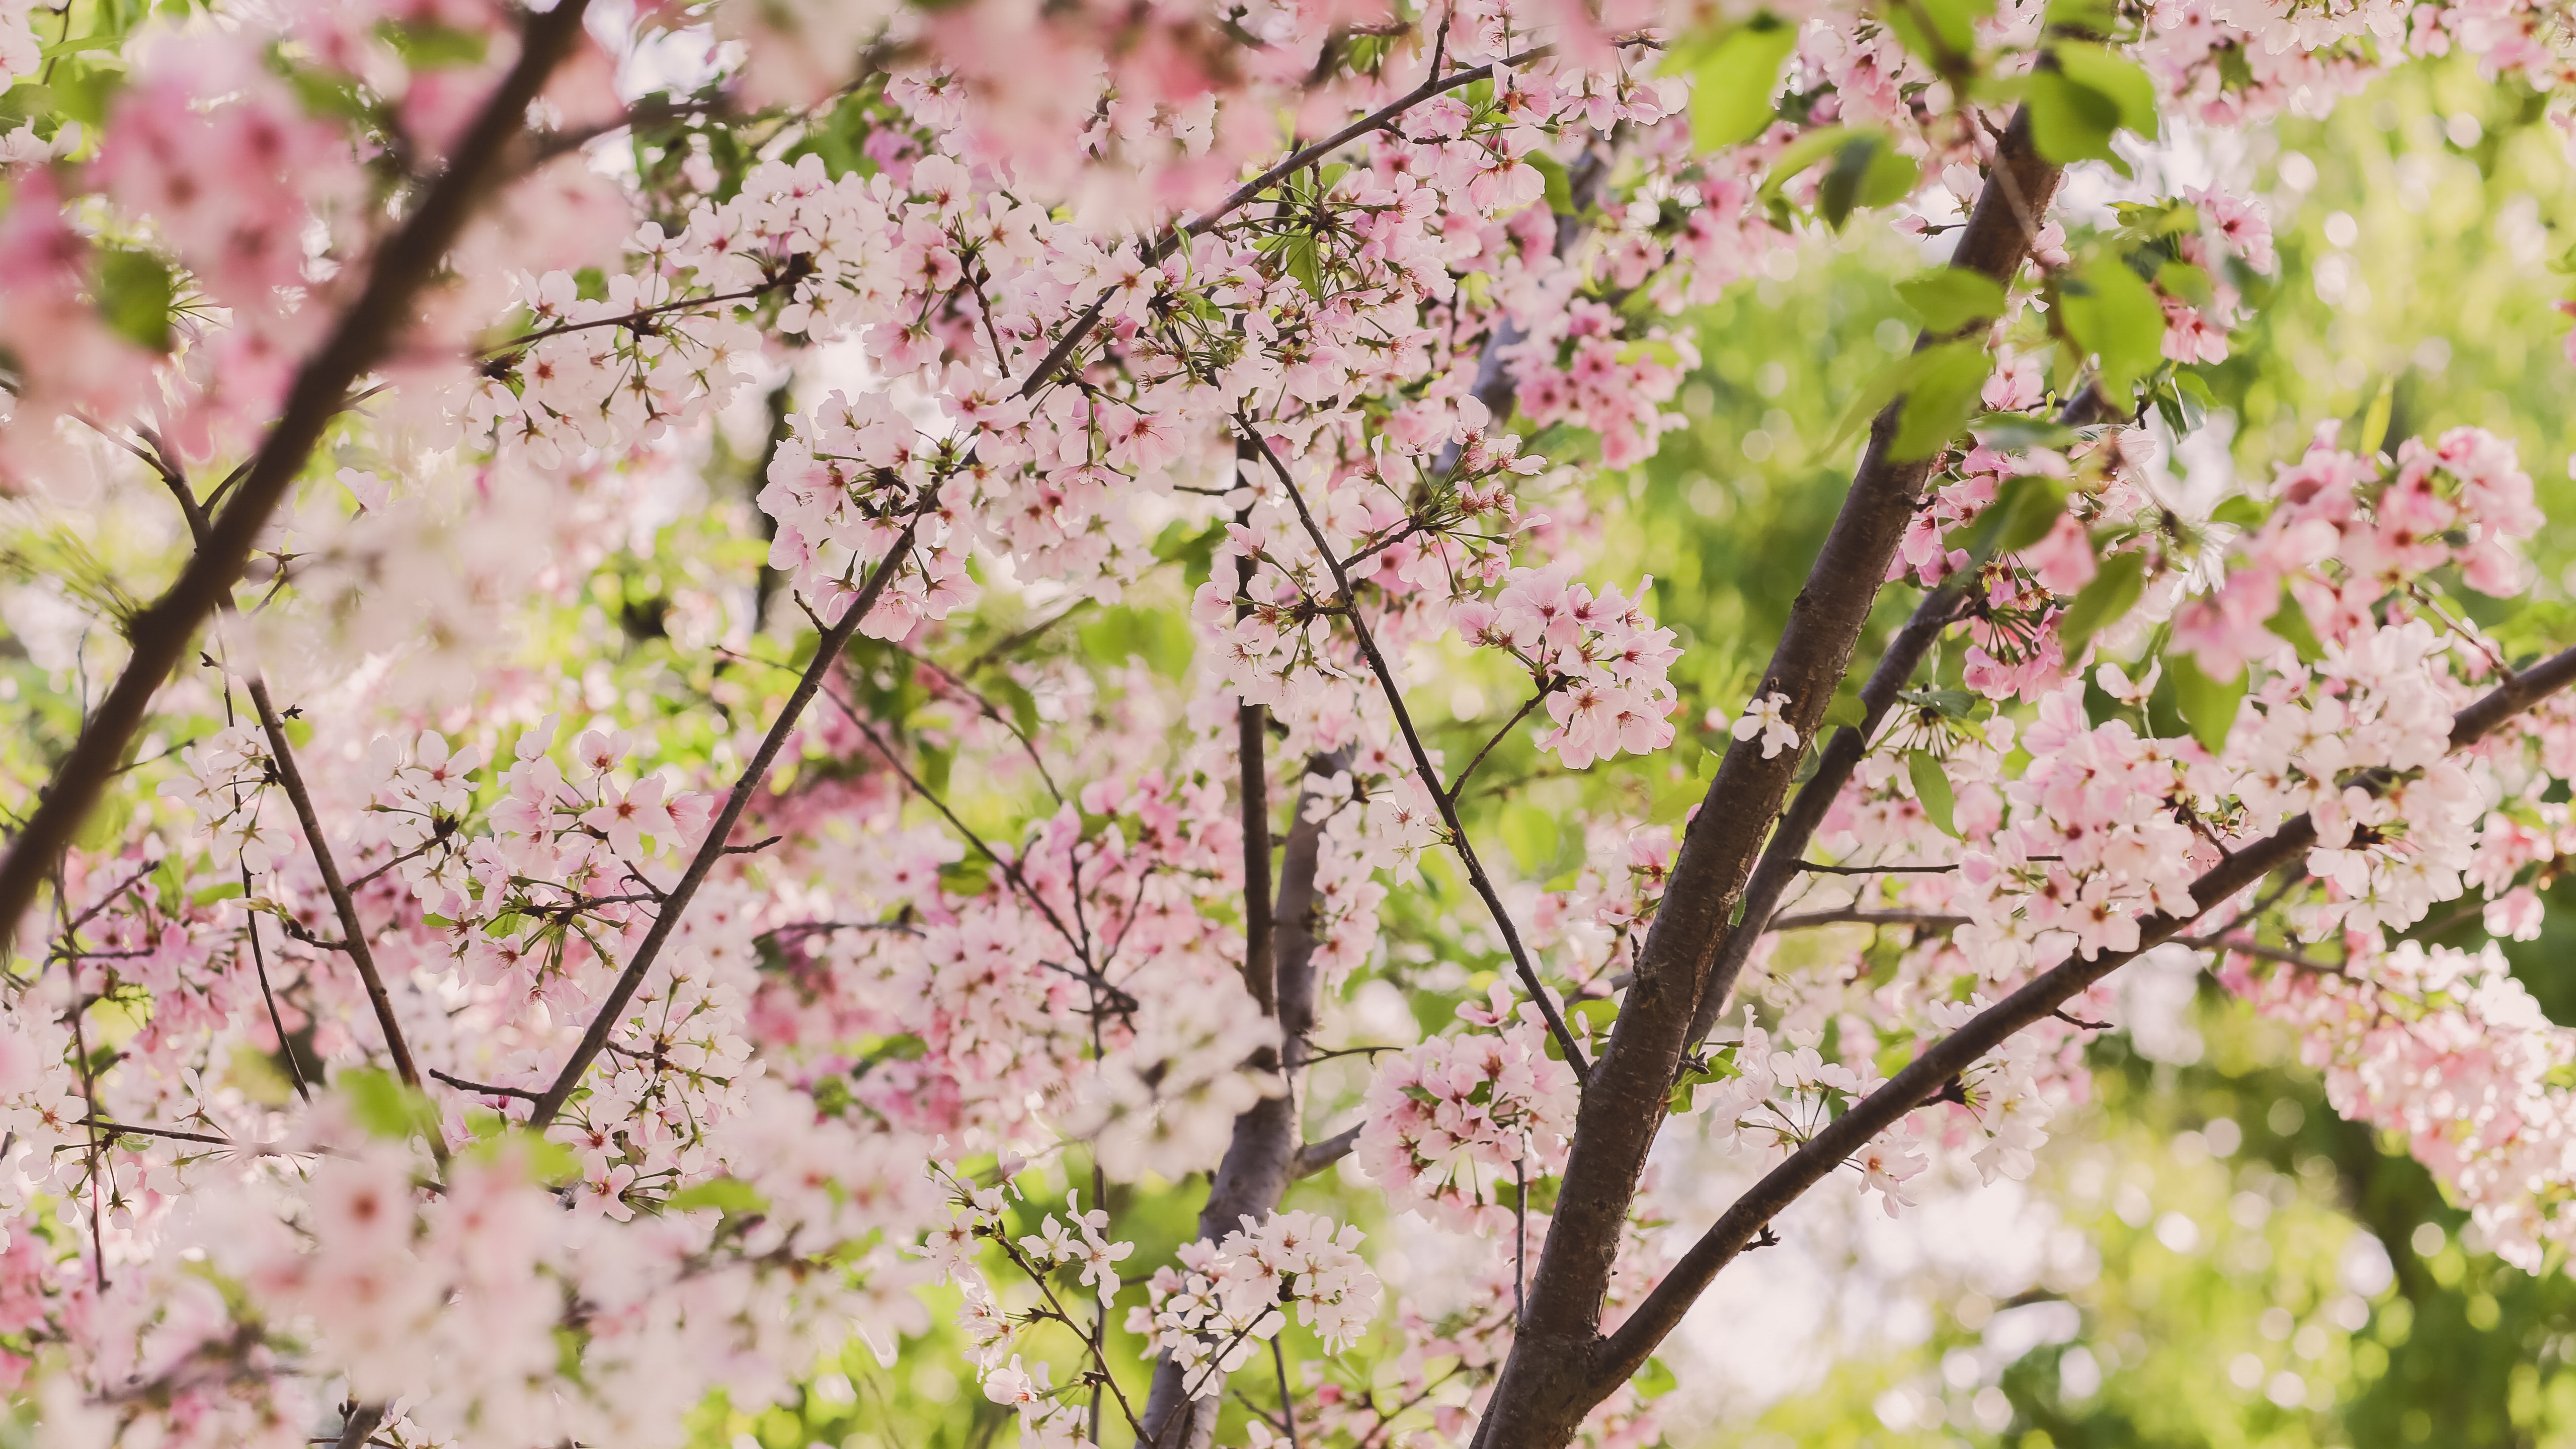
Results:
428 46
2114 591
84 89
2208 705
1868 171
2374 421
546 1162
2087 17
134 295
1560 186
2069 121
1654 1380
2026 511
2114 316
729 1195
1932 788
1733 85
1804 152
1952 298
2290 622
2240 510
2115 78
1594 1013
1940 384
1941 31
2186 282
26 101
380 1103
2018 432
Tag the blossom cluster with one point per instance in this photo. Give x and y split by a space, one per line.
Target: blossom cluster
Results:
1230 1296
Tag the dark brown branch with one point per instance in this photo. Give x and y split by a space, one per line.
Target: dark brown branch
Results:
826 653
1430 776
1460 784
1262 1155
1854 916
1009 868
1249 191
353 931
1922 1079
1836 762
1547 1383
1314 1157
1786 850
129 1129
160 636
362 1422
2223 943
485 1089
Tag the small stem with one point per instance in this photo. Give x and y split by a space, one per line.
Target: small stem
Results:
353 931
1422 765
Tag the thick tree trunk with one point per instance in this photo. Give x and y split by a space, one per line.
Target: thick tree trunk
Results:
1551 1378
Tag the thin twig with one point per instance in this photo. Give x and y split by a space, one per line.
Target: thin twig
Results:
353 931
1430 776
1852 916
827 651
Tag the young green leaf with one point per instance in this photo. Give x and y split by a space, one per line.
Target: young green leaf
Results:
2374 420
2117 583
1949 298
1733 86
2208 705
2290 621
1932 789
2115 78
134 294
1941 384
2026 511
2240 510
380 1103
728 1195
2115 316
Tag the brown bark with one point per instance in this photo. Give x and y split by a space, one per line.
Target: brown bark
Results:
1922 1079
161 635
1548 1383
1263 1156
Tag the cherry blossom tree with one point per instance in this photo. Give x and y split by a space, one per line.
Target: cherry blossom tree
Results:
454 998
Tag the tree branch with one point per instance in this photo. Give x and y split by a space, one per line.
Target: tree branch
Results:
353 931
1783 857
1429 776
1314 1157
160 635
1834 765
1546 1382
1853 916
1262 1156
712 849
1922 1079
1376 120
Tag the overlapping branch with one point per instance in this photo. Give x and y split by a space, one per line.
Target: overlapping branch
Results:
1921 1080
385 306
1541 1398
